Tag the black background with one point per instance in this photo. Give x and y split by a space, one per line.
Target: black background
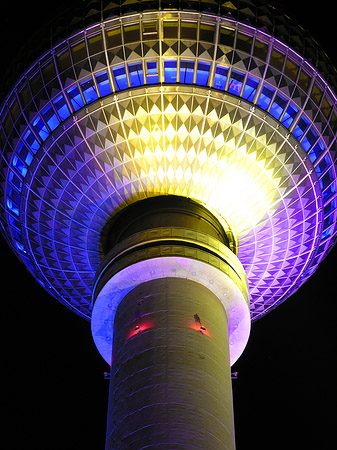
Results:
54 394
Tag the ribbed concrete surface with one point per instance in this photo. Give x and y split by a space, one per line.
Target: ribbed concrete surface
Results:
170 382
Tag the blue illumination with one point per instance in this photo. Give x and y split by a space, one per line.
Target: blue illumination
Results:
20 247
75 97
41 128
136 74
220 77
61 107
89 90
316 259
235 82
316 151
152 72
14 222
321 249
203 69
12 206
186 72
120 78
50 117
170 71
309 139
152 67
103 83
31 141
278 106
323 166
16 234
328 221
330 207
24 154
300 128
289 115
15 180
327 178
265 97
329 191
249 90
19 166
326 233
13 194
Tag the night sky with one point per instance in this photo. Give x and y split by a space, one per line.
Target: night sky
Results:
53 387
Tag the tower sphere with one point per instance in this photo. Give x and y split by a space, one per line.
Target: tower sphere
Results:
221 103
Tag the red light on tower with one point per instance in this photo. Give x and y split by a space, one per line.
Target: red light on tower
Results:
140 327
199 326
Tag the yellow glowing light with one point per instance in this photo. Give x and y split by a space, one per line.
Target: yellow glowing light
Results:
236 186
241 194
203 157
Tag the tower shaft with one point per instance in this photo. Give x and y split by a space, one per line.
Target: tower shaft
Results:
173 295
170 383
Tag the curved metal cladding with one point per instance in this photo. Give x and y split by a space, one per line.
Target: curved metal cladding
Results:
197 100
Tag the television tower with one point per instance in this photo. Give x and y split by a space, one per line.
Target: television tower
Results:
168 173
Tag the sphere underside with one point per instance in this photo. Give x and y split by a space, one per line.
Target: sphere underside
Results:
170 103
179 141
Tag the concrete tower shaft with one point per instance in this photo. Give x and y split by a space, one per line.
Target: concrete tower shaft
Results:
170 383
176 300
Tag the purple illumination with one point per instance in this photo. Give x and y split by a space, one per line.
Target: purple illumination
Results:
179 267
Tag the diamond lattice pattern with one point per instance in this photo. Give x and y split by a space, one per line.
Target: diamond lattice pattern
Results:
206 147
